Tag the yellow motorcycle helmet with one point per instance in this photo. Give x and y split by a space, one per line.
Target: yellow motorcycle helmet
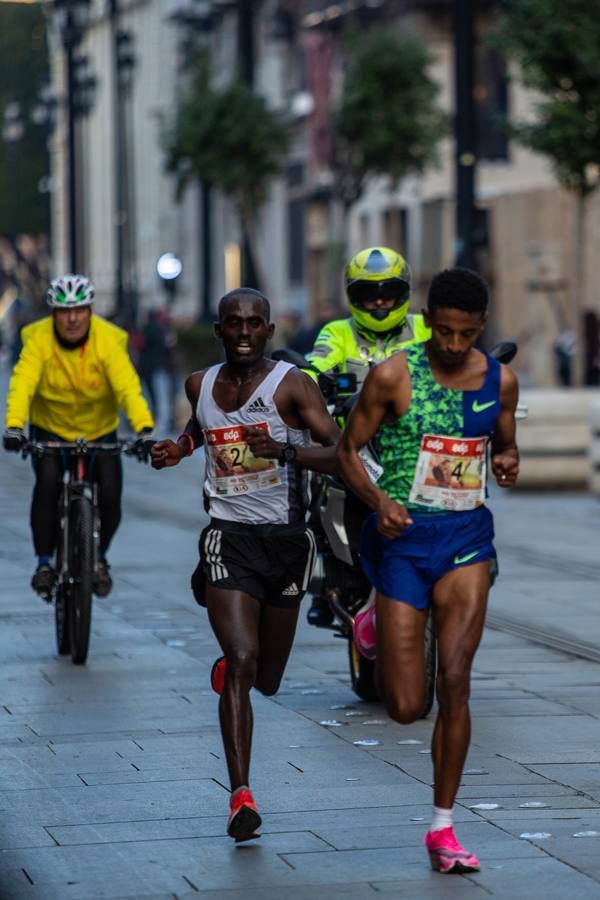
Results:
378 272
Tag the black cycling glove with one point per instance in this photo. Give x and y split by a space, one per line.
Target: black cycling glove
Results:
13 439
143 444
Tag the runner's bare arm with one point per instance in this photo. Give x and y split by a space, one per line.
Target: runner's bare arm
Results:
301 405
505 453
379 400
167 453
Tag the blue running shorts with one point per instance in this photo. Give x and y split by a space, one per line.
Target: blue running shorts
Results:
407 567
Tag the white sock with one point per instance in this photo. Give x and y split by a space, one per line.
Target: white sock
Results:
441 818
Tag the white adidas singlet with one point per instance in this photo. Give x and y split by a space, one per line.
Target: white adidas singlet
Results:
239 486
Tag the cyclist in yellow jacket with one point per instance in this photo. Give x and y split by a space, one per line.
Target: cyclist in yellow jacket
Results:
72 377
378 283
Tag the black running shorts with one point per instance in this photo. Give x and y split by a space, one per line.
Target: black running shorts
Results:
272 563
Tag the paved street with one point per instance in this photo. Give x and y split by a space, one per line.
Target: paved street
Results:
112 778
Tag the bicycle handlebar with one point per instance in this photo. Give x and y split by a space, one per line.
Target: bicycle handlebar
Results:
80 447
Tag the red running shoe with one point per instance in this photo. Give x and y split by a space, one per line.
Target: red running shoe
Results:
217 674
447 855
243 816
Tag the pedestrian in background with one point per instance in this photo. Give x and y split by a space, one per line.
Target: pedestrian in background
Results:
156 365
564 348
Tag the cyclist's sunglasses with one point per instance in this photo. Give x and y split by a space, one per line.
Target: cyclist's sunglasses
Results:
367 291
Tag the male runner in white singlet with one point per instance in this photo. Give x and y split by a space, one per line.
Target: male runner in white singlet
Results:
256 418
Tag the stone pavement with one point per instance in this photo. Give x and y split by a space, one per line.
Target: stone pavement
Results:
112 778
549 563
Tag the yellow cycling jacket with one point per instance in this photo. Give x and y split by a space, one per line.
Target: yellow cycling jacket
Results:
75 393
341 347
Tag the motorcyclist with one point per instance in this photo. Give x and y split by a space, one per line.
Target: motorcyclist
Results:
378 284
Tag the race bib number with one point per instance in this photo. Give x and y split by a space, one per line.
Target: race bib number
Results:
232 468
450 473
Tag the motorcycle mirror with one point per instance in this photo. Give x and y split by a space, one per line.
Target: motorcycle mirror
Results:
326 384
504 351
290 356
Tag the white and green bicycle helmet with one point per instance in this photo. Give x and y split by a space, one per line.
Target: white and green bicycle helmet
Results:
69 291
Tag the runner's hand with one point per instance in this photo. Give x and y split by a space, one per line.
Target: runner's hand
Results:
392 518
165 454
506 468
262 444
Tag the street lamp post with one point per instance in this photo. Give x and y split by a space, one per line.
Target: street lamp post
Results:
465 133
13 129
69 17
246 51
195 19
123 66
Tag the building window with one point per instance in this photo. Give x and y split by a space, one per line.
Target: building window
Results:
296 241
295 175
395 230
431 239
363 230
296 223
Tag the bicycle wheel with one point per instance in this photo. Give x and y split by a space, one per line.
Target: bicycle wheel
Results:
430 664
81 567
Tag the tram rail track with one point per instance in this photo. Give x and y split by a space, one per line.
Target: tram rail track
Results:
551 639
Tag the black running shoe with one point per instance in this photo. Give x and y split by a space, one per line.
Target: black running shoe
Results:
102 580
43 581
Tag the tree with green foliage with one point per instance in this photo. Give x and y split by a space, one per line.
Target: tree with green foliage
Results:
23 69
387 121
556 44
228 138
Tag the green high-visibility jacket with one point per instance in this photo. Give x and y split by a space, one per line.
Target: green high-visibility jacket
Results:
341 347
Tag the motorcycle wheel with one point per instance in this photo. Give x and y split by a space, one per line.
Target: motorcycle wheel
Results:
362 673
362 670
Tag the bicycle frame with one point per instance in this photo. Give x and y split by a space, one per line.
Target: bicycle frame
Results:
78 540
75 484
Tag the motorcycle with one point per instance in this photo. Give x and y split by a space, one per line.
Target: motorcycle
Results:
336 516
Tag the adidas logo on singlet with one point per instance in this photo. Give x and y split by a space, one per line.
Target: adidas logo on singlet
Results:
258 406
291 590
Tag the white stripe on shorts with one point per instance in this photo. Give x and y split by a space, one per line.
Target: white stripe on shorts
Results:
310 562
213 555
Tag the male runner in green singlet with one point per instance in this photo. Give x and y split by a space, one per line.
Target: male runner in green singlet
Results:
429 540
378 291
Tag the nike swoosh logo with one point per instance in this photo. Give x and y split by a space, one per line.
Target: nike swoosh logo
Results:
479 407
462 559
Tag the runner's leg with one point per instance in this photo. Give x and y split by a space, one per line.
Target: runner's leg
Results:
235 619
459 603
401 658
276 636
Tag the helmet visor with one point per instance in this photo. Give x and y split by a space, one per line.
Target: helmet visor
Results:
361 292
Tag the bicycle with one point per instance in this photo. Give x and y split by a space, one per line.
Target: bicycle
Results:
77 546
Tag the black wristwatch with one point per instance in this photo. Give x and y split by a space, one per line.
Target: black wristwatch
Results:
288 454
